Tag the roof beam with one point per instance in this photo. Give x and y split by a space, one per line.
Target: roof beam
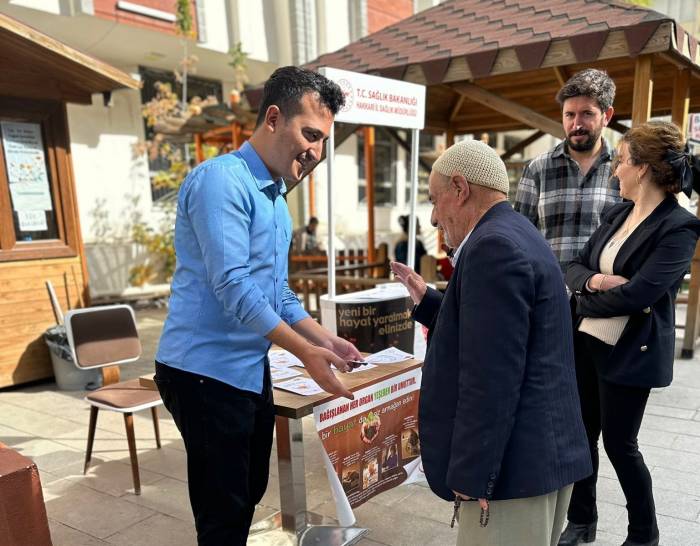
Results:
520 146
393 133
616 125
509 108
69 64
457 107
561 75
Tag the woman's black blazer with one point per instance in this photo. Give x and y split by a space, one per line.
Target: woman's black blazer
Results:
655 258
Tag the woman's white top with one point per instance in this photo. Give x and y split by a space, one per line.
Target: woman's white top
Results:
607 330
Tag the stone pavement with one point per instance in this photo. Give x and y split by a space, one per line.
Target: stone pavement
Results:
50 426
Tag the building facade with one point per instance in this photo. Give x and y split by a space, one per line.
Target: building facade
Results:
114 179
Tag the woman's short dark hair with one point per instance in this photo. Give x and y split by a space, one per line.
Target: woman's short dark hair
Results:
652 143
592 83
287 86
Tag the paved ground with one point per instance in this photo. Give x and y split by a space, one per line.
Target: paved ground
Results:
50 426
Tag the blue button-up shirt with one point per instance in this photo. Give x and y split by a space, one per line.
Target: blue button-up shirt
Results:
229 290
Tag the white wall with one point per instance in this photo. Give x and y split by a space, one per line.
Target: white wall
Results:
250 18
106 171
263 29
333 25
49 6
216 27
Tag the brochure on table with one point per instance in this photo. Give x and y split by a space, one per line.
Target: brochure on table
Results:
371 443
286 377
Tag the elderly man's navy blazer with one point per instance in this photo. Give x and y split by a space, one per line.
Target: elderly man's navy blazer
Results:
655 257
499 411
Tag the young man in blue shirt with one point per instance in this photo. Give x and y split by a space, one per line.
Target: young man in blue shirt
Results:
230 300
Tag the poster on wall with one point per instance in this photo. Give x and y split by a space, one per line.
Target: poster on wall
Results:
26 166
371 444
32 220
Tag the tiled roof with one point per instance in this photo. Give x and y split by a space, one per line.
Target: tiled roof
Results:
478 29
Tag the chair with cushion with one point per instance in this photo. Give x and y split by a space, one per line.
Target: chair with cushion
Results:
103 337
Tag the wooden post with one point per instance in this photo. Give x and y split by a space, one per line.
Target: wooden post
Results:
198 151
312 195
369 179
690 335
679 116
449 138
679 112
643 89
236 135
681 100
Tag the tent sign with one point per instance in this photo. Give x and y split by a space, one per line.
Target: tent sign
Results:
371 100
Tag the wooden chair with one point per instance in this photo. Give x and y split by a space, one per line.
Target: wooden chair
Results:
103 337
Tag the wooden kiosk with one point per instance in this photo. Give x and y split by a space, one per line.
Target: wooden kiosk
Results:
498 66
40 235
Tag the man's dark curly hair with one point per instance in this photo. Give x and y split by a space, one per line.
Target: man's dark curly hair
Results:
592 83
288 85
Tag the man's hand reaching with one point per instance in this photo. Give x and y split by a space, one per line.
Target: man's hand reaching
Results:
317 362
411 280
342 348
317 358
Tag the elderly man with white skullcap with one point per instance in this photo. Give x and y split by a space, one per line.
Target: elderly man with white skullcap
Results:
500 422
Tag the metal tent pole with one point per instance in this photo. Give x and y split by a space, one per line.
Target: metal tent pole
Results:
330 157
414 198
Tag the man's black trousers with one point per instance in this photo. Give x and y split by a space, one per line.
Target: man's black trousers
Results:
228 437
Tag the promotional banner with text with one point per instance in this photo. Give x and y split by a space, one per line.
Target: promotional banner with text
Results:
371 443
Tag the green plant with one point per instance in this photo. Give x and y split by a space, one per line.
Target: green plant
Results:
183 21
168 111
160 243
239 63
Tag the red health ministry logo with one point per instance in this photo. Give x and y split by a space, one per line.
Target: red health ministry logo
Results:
348 93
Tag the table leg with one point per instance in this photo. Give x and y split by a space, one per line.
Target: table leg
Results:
290 462
293 525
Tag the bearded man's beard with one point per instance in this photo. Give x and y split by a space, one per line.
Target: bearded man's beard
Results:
585 145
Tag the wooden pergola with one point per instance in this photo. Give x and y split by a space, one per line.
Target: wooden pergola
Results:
497 66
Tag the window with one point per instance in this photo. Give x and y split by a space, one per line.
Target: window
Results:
196 87
385 163
37 211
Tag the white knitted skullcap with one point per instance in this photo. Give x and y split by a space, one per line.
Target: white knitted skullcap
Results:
475 161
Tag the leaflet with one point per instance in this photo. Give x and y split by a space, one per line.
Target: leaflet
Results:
283 373
300 385
362 368
283 359
392 355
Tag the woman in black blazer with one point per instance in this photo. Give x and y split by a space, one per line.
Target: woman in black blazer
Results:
625 282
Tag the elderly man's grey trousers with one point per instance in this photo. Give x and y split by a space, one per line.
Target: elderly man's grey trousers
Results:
533 521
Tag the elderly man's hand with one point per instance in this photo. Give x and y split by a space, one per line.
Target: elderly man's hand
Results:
411 280
483 503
